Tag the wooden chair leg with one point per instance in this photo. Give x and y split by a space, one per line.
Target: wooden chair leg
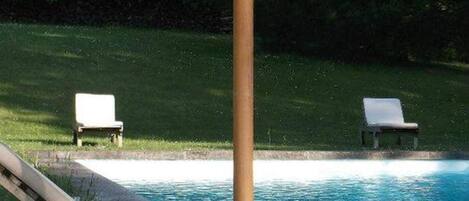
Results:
375 140
77 139
120 138
114 138
416 142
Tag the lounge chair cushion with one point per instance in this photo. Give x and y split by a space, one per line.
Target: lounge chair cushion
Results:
409 126
383 110
95 111
114 124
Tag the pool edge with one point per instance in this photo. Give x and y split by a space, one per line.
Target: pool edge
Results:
259 155
103 188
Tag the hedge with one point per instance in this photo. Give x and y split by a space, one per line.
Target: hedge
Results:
343 29
366 29
203 15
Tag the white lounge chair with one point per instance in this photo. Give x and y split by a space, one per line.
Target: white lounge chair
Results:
96 112
384 115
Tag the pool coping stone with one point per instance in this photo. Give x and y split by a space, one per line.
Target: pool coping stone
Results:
258 155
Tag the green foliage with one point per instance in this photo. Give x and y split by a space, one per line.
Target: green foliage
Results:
5 195
363 30
65 182
202 15
344 29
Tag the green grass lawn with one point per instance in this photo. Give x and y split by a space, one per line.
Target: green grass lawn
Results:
173 92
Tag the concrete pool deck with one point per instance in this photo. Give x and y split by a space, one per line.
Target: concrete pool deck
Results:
63 163
85 179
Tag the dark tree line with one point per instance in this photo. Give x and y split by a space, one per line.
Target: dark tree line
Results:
343 29
364 29
203 15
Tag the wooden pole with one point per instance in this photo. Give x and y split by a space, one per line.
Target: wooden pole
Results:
243 106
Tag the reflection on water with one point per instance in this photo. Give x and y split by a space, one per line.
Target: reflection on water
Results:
292 179
448 186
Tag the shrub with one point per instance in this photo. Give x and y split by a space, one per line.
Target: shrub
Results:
202 14
343 29
363 30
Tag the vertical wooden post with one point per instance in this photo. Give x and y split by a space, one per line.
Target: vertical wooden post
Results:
243 97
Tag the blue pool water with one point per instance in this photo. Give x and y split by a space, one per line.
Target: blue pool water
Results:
296 180
433 187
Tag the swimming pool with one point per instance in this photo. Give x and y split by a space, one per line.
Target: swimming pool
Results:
293 180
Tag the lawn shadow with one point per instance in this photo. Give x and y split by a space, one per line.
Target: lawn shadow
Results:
56 142
176 87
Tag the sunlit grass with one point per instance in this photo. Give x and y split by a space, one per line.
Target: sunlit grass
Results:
173 92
